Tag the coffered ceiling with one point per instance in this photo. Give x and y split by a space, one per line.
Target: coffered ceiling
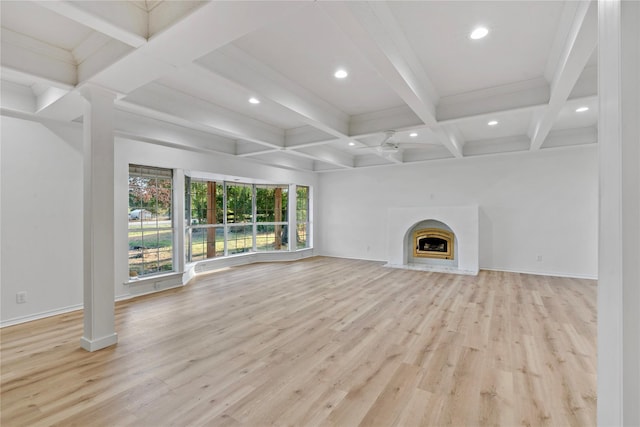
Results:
184 72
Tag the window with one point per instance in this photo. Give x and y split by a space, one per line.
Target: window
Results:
226 218
204 212
302 217
239 215
271 217
150 220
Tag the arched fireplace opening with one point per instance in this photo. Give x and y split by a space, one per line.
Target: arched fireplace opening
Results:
431 242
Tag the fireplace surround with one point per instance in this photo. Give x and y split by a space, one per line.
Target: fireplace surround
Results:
461 221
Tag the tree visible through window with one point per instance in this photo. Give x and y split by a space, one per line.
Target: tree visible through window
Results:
204 204
271 217
150 220
302 217
222 218
226 218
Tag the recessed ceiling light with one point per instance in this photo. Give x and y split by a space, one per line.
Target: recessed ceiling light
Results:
413 134
254 100
340 74
351 143
479 33
493 123
582 109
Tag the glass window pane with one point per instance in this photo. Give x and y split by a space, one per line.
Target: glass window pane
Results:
219 203
150 224
271 203
198 245
302 204
271 238
240 239
301 235
135 253
239 203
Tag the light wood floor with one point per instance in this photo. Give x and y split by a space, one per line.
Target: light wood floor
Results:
319 342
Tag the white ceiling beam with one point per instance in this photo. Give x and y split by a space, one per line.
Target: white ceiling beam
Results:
164 13
579 46
569 10
396 118
512 96
167 104
435 152
306 136
397 157
49 96
122 21
249 149
99 58
506 144
572 137
204 30
247 72
372 27
324 154
17 97
283 159
454 141
29 56
68 107
141 126
214 25
364 161
374 30
587 84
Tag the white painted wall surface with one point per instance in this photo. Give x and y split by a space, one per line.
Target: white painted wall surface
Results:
41 219
531 204
41 198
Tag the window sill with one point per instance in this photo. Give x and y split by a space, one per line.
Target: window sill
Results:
153 278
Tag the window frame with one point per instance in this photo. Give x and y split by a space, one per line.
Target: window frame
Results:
229 227
156 174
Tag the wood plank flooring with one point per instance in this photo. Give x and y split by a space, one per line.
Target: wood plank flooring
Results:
323 341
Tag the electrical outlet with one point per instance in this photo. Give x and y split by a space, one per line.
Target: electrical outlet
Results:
21 297
539 258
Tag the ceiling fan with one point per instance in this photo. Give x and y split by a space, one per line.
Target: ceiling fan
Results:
389 145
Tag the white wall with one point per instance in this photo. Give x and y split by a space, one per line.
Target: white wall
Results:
531 204
41 219
41 199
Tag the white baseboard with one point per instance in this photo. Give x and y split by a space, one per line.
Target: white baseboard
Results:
506 270
538 273
41 315
100 343
210 265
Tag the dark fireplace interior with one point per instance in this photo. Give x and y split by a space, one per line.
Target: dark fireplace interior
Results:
432 244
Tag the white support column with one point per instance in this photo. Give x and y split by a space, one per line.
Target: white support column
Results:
178 221
99 260
254 227
619 233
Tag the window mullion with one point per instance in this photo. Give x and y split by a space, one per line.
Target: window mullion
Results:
224 217
254 224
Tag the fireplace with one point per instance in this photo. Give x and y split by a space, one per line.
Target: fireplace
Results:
453 246
433 243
